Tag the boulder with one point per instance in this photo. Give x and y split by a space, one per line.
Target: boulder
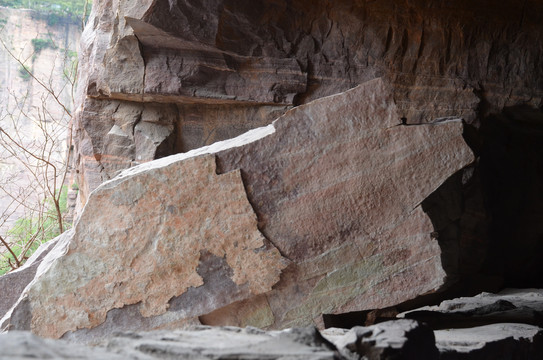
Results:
317 213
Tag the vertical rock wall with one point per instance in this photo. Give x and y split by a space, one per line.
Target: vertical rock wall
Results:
208 60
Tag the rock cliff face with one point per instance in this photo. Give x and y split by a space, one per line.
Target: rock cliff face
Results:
165 77
161 77
247 60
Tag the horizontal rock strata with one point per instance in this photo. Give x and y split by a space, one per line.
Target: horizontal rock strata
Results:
259 54
336 186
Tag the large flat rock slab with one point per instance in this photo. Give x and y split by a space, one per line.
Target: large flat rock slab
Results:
144 240
337 188
317 213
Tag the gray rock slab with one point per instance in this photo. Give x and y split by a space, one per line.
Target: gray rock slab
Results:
509 306
13 283
18 345
198 343
495 341
396 339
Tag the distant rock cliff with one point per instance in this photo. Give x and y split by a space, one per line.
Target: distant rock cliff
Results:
46 50
50 53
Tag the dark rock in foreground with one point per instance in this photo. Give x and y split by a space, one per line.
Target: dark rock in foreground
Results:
395 340
399 339
509 306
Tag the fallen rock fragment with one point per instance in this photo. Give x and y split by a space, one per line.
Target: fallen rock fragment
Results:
334 190
337 188
145 247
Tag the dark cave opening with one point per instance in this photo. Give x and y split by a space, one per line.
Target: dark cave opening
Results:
511 167
489 217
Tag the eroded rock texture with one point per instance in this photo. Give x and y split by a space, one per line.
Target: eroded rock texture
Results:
393 340
255 57
523 306
336 186
146 246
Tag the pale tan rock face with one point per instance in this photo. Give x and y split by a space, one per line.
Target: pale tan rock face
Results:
145 246
336 185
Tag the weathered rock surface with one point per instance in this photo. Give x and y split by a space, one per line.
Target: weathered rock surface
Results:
116 258
397 339
336 186
259 56
346 211
495 341
509 306
401 339
216 343
13 283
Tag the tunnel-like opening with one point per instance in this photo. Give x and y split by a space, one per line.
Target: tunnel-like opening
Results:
511 167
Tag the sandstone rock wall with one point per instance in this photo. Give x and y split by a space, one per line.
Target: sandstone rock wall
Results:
319 212
337 206
204 60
